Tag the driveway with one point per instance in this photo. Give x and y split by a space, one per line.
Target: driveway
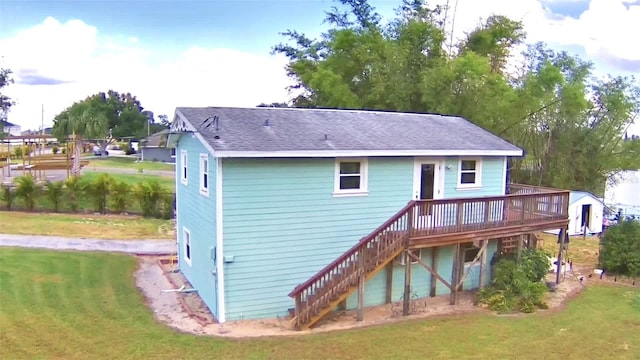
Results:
140 247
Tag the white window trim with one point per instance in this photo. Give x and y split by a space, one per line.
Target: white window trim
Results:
204 190
364 178
183 165
478 183
187 234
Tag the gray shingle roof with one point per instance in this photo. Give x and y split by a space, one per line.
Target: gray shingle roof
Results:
303 130
156 140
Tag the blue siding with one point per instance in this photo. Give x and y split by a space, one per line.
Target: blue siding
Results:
493 178
197 213
282 224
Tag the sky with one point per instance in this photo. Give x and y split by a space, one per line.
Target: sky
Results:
218 52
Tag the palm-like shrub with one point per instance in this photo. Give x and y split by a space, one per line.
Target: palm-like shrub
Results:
149 194
98 191
27 190
74 191
120 194
7 195
53 192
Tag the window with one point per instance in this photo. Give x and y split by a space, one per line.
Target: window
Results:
351 177
186 244
183 164
204 174
469 173
470 253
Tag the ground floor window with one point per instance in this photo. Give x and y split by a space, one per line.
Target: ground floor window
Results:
186 241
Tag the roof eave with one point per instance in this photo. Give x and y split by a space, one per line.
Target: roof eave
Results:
364 153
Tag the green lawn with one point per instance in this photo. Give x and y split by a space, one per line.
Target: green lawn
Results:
65 305
85 225
132 179
128 163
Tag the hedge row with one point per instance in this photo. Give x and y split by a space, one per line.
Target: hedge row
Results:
103 194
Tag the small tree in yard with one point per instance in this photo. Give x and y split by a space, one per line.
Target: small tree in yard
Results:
98 190
54 191
120 196
27 190
517 286
7 195
621 248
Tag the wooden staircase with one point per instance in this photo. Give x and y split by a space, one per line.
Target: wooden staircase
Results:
322 293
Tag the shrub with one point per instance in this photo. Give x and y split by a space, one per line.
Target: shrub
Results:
74 191
168 205
27 190
517 286
120 195
149 194
7 195
55 150
54 192
17 151
98 191
621 248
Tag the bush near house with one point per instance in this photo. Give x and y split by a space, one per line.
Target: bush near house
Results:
101 194
517 286
621 248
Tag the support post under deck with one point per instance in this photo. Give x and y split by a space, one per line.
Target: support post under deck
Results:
434 266
406 303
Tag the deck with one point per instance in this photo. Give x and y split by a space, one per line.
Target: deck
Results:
429 223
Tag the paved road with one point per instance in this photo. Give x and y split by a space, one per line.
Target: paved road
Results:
142 247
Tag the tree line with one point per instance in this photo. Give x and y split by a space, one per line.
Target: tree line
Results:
570 123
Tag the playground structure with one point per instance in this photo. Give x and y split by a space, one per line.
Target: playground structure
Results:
36 160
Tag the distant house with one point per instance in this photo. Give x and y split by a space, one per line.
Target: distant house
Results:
289 211
154 148
11 129
622 194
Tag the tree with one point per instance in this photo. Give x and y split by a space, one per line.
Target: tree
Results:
274 105
164 121
5 101
103 117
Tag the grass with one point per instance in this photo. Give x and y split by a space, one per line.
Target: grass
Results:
65 305
133 179
128 163
91 226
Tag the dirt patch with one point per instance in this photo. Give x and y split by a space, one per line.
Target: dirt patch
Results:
46 279
187 313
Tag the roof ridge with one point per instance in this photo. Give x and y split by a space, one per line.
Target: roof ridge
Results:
368 111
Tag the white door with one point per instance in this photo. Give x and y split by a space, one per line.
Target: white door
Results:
428 183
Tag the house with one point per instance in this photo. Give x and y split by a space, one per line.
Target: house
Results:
285 211
9 128
584 209
154 148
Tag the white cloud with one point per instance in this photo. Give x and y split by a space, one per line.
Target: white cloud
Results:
75 53
603 30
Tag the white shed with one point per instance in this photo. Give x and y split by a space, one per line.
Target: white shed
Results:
584 208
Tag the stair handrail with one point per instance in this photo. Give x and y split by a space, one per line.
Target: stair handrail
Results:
354 249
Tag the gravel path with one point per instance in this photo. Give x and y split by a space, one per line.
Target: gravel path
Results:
141 247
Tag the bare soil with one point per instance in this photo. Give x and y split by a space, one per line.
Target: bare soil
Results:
187 313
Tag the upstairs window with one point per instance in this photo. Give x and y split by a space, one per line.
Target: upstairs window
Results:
183 167
351 177
204 174
469 173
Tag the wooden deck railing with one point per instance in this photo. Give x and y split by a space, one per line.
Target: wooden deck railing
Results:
426 219
451 216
